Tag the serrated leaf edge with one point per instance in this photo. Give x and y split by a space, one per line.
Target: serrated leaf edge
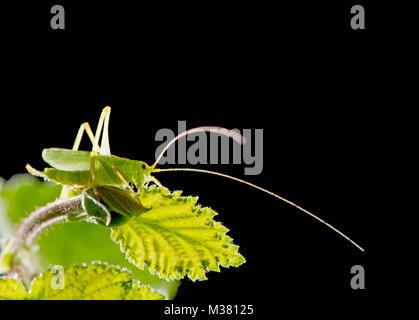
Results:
134 282
175 195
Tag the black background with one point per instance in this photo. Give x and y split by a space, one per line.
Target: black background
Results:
298 71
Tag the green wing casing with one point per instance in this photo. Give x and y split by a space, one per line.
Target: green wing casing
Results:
66 159
67 178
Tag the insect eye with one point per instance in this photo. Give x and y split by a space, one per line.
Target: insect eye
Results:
143 166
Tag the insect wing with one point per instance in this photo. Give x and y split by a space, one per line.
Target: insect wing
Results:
105 174
67 178
66 159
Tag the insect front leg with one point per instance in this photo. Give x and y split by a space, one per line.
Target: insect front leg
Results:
127 185
124 180
153 179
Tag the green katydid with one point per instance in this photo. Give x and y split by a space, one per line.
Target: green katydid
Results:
95 168
110 176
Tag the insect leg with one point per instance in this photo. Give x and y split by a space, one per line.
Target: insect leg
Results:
104 149
155 180
126 183
92 175
84 127
121 176
103 121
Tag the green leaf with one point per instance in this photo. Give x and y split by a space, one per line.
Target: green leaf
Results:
87 282
11 289
70 243
176 238
23 193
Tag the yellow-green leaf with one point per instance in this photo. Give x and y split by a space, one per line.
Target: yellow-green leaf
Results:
11 289
87 282
70 243
176 238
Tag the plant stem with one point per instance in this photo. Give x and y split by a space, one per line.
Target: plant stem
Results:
42 218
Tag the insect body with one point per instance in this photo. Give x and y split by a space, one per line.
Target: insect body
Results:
84 168
91 169
110 177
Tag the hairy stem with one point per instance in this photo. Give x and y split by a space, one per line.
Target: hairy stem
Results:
42 218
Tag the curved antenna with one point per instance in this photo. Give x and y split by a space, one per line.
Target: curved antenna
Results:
268 192
219 130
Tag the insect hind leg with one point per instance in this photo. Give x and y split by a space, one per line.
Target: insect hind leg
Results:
104 149
85 127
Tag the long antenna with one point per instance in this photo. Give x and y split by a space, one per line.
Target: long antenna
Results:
266 191
219 130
